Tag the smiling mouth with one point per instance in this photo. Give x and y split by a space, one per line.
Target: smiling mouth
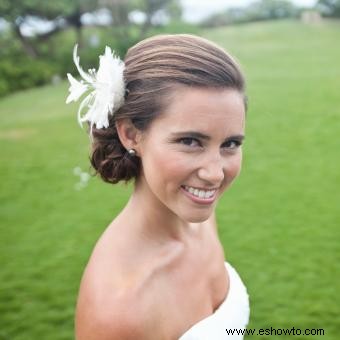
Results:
200 194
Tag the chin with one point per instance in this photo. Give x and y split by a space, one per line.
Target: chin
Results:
197 218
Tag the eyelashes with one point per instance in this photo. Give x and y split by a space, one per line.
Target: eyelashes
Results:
193 142
237 143
188 141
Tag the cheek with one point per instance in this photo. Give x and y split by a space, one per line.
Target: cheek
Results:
176 167
234 167
167 166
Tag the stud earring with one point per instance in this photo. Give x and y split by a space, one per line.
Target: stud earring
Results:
132 152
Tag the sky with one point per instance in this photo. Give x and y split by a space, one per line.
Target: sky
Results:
195 10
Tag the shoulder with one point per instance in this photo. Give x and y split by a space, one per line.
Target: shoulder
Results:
112 302
110 315
111 307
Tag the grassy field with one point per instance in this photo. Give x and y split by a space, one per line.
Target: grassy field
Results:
279 223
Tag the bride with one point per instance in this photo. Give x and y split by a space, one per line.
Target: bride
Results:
170 118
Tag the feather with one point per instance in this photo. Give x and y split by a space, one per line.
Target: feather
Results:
106 87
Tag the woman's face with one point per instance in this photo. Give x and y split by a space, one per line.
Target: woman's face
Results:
192 152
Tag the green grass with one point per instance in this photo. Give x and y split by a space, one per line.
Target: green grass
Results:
279 223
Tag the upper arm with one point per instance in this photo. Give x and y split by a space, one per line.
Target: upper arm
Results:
102 314
105 323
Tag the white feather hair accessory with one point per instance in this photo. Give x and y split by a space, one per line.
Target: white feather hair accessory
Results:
107 89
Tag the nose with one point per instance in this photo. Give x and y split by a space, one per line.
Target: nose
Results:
212 171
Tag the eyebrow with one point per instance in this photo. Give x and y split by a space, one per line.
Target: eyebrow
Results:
195 134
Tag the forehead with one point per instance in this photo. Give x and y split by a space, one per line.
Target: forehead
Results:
203 109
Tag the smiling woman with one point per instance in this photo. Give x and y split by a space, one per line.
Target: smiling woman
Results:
158 271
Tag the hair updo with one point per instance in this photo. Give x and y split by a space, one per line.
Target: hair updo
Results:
153 68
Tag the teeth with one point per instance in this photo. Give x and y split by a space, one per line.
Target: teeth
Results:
200 193
208 194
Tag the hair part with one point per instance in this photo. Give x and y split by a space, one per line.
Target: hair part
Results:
154 68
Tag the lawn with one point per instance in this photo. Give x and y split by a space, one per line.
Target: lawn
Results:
279 223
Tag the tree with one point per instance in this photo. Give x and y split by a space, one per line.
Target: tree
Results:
330 7
62 14
125 30
270 9
256 11
149 9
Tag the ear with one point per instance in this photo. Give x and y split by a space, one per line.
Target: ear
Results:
128 134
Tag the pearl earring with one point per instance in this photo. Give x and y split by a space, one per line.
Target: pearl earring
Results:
132 152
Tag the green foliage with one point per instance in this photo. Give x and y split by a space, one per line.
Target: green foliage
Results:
23 73
330 7
20 72
271 9
13 9
175 27
256 11
50 52
279 222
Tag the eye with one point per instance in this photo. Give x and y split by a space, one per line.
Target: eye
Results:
188 141
232 144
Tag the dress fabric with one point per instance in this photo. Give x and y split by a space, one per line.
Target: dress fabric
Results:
233 313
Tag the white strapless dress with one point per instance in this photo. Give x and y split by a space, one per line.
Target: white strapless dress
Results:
232 314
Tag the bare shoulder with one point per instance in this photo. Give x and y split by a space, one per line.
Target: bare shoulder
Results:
112 301
108 308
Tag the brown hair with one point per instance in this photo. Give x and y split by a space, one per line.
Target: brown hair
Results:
153 68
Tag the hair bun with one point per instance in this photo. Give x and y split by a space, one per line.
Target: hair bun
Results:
109 157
